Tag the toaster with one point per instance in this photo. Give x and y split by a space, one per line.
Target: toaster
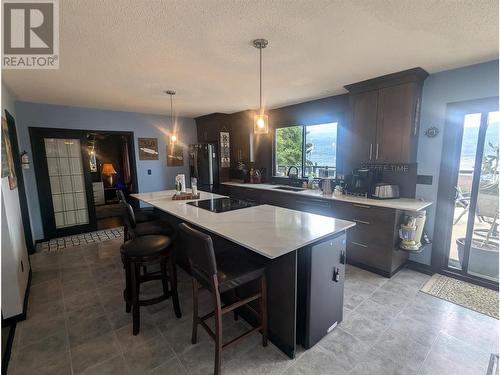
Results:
385 191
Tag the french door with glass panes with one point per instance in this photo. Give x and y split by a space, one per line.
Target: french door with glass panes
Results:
63 180
466 232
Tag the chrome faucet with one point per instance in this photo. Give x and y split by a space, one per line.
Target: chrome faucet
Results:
296 170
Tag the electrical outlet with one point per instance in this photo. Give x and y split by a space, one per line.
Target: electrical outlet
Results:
149 171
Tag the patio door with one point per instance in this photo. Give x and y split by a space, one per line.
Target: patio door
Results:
466 233
63 180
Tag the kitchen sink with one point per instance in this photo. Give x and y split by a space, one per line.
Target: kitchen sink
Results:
289 188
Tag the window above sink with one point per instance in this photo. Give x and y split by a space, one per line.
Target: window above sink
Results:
312 149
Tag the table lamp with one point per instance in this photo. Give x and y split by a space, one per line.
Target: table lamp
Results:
108 170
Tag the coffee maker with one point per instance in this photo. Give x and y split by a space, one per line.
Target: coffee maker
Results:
361 181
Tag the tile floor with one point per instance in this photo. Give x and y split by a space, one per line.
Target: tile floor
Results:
77 325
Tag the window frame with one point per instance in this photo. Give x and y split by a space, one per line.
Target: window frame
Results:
303 161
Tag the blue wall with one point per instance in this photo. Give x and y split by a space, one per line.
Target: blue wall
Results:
143 125
471 82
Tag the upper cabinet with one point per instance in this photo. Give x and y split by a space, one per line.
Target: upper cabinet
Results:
208 127
384 119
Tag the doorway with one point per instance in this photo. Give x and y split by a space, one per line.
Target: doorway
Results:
467 213
78 173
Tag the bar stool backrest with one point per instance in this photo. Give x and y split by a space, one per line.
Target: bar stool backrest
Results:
200 252
120 195
128 217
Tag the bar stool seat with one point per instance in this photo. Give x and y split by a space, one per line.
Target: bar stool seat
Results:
233 271
146 246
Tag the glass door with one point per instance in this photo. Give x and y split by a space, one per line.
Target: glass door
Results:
472 246
67 182
64 182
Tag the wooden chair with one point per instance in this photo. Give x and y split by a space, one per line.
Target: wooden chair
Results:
220 276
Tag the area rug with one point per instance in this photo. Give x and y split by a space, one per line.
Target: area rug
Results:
59 244
473 297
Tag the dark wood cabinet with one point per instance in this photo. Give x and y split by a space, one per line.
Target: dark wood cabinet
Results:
362 132
241 129
208 127
371 244
384 119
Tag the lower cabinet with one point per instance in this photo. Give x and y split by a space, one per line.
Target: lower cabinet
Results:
372 244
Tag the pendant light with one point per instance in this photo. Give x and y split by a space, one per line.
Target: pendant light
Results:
173 135
261 120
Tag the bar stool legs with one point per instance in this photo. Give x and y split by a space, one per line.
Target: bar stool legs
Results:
218 329
134 276
263 308
172 272
133 279
219 310
194 334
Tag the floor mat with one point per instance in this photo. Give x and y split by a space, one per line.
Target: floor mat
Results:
465 294
59 244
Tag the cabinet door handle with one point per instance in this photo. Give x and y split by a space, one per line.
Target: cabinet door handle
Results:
416 118
359 244
376 153
361 221
371 150
361 205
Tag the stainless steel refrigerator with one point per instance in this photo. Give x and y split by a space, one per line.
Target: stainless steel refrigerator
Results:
203 164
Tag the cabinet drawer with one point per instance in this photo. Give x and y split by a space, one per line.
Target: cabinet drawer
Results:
368 254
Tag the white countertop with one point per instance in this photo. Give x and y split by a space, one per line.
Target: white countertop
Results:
405 204
268 230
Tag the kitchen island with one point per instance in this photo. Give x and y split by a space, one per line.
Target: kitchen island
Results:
304 256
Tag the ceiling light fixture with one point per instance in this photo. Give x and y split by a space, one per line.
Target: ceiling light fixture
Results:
173 135
261 121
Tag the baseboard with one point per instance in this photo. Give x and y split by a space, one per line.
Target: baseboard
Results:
22 316
369 268
420 267
8 349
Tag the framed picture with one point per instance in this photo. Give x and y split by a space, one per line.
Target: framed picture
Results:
148 148
7 157
225 161
175 155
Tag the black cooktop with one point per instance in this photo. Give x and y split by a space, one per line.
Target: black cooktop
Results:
221 204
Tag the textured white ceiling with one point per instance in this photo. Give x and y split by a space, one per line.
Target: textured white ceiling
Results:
121 54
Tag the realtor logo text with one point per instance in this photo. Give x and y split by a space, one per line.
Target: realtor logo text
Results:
30 34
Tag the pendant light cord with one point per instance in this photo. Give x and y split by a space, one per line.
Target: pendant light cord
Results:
260 73
172 110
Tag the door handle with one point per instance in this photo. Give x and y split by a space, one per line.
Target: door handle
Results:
361 206
376 153
342 257
336 274
361 221
371 150
359 244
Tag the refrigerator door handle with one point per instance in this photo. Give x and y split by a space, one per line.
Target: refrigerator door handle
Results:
210 165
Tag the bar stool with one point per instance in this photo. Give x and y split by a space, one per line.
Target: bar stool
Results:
145 221
219 276
147 251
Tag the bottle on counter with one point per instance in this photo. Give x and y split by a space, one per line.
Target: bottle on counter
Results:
194 186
